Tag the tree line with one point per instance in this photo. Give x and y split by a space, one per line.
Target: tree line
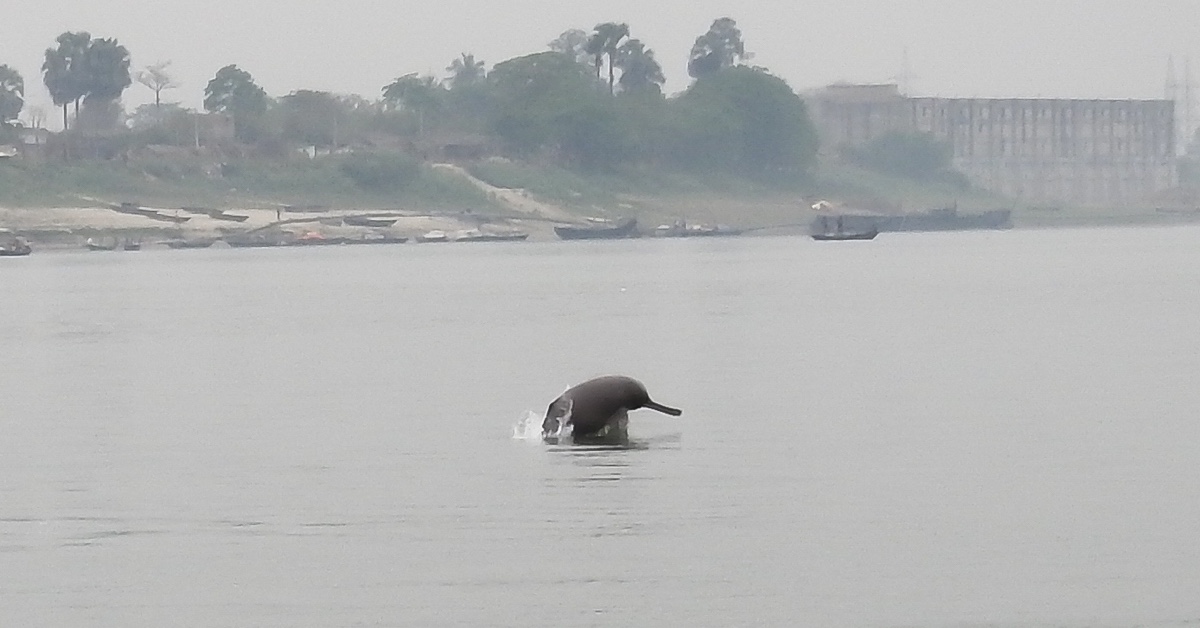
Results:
592 100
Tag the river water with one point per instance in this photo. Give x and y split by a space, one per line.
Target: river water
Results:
958 429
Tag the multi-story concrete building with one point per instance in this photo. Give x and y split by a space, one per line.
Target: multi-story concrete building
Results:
1041 150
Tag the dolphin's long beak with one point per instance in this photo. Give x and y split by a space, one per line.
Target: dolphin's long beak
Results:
663 409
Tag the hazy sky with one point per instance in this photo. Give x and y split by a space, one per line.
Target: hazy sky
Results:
1050 48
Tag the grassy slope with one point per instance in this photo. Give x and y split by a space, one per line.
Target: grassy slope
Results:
653 195
181 182
665 196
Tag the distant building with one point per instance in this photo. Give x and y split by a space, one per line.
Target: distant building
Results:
1090 152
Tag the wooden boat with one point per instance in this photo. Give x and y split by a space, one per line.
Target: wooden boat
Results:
153 214
254 240
683 230
838 236
199 243
108 244
598 231
475 235
314 238
378 239
15 246
437 235
369 221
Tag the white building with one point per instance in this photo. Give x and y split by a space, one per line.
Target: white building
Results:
1089 152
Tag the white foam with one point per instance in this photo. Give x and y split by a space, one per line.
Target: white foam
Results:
529 428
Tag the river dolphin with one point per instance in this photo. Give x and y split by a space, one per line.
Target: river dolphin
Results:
599 408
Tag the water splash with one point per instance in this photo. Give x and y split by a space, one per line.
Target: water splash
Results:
529 427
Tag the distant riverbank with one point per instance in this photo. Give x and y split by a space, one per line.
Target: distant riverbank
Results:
65 206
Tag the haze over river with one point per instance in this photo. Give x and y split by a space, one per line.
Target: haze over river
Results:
955 429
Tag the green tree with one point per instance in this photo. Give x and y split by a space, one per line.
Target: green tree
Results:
466 103
640 72
233 91
412 91
419 94
743 119
106 76
466 71
63 70
311 117
573 43
531 94
12 95
912 155
106 70
546 105
721 47
605 41
592 134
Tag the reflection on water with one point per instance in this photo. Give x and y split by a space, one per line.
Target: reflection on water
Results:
931 430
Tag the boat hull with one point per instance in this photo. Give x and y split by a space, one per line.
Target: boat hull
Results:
190 244
494 237
368 221
703 232
386 240
842 237
627 229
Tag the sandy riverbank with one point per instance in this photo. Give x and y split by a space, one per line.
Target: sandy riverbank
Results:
72 226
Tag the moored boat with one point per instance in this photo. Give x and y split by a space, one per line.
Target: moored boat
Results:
437 235
475 235
840 232
13 246
107 244
376 239
600 230
255 240
315 238
369 221
683 230
198 243
846 235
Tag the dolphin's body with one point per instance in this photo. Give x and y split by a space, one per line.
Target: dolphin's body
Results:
599 408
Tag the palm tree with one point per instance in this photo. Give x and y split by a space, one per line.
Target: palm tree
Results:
107 67
63 71
640 72
606 41
466 71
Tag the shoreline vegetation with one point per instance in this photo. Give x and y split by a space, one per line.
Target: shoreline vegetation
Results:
579 131
493 196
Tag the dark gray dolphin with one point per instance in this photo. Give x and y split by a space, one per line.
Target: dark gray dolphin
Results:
599 407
